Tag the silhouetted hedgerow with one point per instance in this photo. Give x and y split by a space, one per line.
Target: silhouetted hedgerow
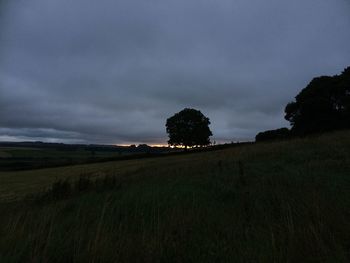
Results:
278 134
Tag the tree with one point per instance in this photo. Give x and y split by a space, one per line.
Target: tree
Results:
188 127
323 105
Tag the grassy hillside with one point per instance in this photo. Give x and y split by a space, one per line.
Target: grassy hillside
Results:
270 202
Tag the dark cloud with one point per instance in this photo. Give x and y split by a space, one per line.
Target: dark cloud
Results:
113 71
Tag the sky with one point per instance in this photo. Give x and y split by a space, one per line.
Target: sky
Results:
113 71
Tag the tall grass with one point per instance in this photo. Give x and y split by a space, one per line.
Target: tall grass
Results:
273 202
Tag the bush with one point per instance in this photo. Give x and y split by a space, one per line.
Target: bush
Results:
278 134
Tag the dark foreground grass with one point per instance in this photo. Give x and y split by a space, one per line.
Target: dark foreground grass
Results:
274 202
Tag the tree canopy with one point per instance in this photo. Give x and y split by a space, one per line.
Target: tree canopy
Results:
188 127
323 105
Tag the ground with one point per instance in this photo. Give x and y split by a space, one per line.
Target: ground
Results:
268 202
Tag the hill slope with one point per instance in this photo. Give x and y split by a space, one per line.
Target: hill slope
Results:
270 202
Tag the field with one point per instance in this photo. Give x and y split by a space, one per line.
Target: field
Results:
21 158
269 202
25 156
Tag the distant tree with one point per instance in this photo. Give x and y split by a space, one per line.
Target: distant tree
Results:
323 105
278 134
143 146
187 128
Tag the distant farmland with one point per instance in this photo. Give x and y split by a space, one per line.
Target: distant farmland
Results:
24 156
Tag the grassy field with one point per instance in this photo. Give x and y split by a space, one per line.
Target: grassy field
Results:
21 158
26 156
270 202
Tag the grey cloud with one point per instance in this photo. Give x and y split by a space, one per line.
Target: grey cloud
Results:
113 71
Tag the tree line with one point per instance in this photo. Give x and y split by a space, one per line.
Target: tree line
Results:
323 105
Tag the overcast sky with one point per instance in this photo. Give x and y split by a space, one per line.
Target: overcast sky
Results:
113 71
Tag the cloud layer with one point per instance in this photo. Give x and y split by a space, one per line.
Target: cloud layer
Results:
113 71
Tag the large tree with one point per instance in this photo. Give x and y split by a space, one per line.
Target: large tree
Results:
188 127
323 105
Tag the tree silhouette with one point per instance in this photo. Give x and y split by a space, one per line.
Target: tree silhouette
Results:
188 127
323 105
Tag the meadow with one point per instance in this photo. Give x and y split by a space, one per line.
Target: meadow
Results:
285 201
25 156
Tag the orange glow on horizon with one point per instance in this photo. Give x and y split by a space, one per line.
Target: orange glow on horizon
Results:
153 145
149 144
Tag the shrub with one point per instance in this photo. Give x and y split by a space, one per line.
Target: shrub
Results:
278 134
